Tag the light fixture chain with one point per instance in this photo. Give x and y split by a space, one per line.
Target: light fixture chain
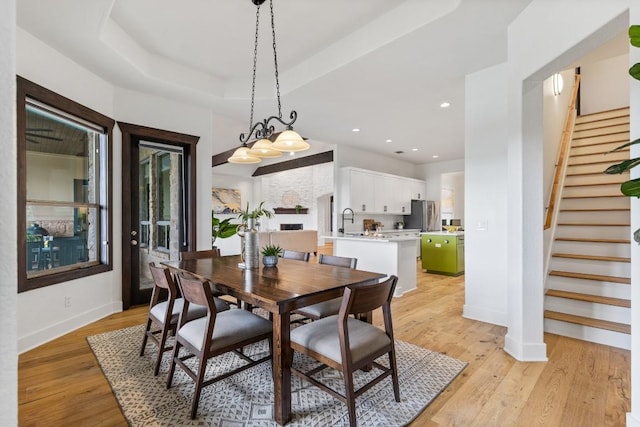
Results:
255 61
275 59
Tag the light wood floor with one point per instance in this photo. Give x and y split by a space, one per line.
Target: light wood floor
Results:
582 384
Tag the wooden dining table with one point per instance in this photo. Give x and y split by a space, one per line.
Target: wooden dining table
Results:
279 290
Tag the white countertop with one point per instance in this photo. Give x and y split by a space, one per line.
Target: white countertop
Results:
444 233
372 238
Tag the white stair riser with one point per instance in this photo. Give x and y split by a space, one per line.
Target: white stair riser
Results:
594 217
591 287
592 191
600 178
619 137
599 167
601 131
609 159
588 309
614 202
586 333
603 115
620 120
595 148
592 248
607 268
595 232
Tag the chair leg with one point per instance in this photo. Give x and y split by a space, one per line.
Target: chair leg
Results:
351 397
144 339
394 374
163 342
202 367
172 367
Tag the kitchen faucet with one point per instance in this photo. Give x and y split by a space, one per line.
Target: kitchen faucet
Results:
341 230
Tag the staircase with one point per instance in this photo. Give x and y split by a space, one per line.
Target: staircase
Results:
588 293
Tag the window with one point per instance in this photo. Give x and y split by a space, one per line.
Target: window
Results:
164 201
64 188
145 186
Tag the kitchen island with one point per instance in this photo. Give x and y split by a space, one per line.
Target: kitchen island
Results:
443 252
381 254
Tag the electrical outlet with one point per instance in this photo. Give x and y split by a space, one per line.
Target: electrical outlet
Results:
67 302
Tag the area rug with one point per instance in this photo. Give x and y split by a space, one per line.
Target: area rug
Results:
246 399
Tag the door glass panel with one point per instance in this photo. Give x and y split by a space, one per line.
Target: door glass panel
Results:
160 196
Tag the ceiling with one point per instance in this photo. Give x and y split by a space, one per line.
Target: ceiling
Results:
383 66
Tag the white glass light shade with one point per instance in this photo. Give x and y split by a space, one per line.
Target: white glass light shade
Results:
264 148
289 140
558 83
242 156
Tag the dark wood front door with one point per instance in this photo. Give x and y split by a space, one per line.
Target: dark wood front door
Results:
158 203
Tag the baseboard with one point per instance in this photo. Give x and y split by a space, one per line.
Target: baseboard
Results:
525 352
484 315
54 331
632 420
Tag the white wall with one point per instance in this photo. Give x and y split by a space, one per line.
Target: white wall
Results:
486 199
8 219
633 418
605 85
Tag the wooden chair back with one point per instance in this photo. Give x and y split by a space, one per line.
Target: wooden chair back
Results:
208 253
301 256
339 261
364 298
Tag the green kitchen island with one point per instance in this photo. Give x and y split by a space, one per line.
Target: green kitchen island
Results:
443 252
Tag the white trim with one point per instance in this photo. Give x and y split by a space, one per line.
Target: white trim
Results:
525 352
56 330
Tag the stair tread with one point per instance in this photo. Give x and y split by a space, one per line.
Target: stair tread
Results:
595 184
597 210
600 277
593 197
618 302
586 224
587 321
592 240
624 150
592 257
594 174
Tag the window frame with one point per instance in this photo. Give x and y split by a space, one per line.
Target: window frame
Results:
30 90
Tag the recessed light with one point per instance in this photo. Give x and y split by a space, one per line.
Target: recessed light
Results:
355 130
445 105
435 156
414 149
389 140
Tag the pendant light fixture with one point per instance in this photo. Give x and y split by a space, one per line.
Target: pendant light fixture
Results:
288 140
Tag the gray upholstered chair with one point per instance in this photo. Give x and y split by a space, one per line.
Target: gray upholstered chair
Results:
347 344
164 313
301 256
213 335
331 307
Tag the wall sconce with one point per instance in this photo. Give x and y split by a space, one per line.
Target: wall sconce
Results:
557 84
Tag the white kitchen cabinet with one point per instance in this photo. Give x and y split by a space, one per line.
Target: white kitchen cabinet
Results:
418 189
361 191
375 192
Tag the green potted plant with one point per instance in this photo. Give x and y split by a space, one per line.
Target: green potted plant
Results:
270 254
221 229
630 188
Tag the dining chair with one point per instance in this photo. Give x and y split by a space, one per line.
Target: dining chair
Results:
204 254
347 344
298 255
332 306
215 334
207 253
164 313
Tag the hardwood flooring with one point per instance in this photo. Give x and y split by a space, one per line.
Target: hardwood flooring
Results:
582 384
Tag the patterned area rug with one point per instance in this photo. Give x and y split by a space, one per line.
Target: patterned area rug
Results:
246 399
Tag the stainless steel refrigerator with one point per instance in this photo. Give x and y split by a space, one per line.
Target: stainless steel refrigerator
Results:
425 216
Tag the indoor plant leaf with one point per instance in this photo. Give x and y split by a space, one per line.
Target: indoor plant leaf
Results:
631 188
634 35
635 71
623 166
